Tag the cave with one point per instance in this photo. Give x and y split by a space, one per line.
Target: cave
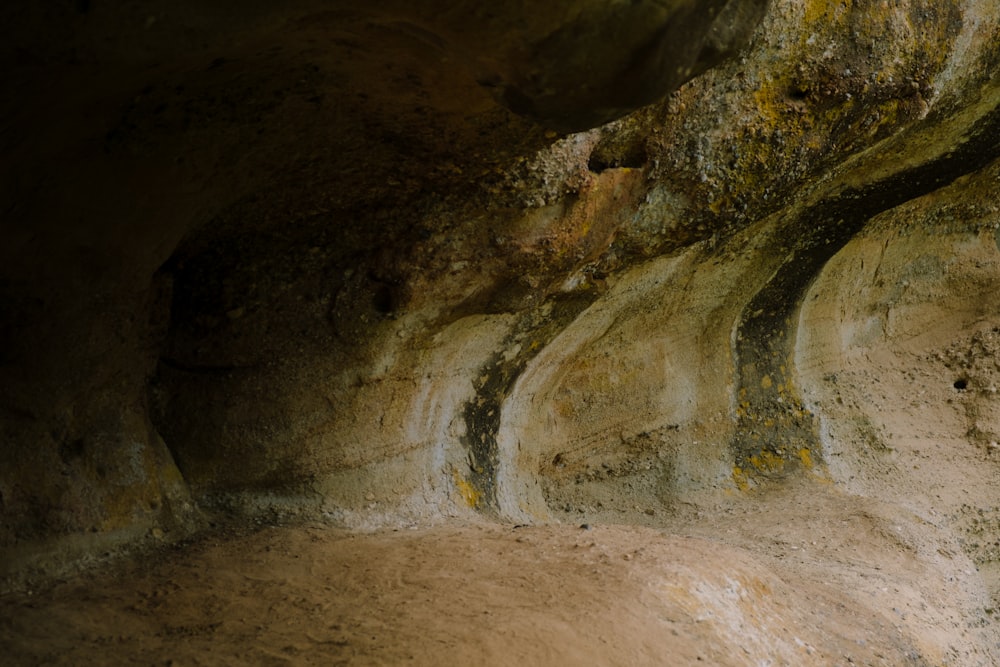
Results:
625 332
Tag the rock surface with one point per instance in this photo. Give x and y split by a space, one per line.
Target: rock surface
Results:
413 263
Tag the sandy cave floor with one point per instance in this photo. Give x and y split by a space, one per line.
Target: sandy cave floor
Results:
803 575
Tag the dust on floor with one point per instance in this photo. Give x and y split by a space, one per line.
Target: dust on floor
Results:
803 575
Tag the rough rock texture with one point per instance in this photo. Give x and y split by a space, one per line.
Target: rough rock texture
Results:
348 262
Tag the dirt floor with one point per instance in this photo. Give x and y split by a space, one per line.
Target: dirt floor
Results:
803 575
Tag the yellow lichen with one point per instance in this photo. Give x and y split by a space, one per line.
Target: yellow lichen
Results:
768 461
822 11
740 479
806 457
469 493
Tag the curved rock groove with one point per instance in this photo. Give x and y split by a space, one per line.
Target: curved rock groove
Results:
497 377
776 432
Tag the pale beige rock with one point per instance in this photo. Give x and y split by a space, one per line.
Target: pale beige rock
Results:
299 262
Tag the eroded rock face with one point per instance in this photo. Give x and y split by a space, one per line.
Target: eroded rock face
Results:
346 260
241 207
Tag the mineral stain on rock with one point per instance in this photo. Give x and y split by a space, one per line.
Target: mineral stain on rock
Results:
774 426
720 270
482 414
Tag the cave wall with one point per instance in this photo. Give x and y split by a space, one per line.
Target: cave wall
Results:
899 348
404 262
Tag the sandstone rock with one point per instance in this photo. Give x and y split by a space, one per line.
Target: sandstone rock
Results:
468 260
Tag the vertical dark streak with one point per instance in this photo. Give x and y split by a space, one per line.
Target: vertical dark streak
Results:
495 382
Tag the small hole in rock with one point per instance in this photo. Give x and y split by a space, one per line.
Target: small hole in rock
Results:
961 384
382 301
798 93
631 156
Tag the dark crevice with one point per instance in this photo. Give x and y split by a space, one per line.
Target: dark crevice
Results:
775 432
628 157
